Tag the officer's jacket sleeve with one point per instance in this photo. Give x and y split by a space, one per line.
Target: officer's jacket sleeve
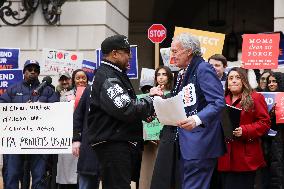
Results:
116 101
213 93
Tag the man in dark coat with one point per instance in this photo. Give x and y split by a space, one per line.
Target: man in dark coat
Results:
23 92
115 116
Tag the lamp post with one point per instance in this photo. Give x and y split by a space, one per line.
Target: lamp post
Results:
14 16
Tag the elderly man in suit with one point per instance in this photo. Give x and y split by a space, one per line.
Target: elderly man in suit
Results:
200 136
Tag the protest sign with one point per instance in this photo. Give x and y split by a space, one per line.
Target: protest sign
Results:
8 78
279 110
9 58
89 67
260 51
55 61
210 42
147 77
167 60
151 131
132 72
36 128
270 99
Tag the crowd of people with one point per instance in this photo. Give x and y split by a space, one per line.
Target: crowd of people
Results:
192 154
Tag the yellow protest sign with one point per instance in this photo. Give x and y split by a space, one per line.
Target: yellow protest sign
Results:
211 42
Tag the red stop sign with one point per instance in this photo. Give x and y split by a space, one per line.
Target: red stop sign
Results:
157 33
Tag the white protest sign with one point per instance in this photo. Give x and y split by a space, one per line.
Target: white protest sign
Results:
36 128
54 61
165 54
147 77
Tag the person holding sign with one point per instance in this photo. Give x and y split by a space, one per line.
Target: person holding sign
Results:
274 145
244 153
200 134
115 116
23 92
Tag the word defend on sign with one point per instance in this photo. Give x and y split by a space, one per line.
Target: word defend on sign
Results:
8 78
36 128
260 51
9 58
56 61
157 33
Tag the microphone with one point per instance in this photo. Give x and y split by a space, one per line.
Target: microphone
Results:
47 80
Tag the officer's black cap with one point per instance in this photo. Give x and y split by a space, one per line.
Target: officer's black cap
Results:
115 42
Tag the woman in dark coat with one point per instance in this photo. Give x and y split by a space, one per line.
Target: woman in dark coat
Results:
274 146
87 167
166 170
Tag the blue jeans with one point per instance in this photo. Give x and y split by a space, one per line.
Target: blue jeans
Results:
88 181
14 164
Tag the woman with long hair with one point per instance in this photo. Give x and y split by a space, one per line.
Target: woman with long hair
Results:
166 169
262 83
274 145
244 153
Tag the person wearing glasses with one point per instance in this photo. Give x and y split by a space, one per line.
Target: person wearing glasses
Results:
115 115
200 135
22 92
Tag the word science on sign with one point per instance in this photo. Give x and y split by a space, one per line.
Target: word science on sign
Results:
36 128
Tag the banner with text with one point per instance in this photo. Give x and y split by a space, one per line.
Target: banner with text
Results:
132 72
211 43
9 58
36 128
260 51
270 99
8 78
54 61
89 67
279 111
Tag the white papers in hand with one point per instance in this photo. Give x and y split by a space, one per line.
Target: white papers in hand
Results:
169 111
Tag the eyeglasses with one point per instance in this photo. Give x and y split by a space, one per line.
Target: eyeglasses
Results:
177 52
127 51
33 68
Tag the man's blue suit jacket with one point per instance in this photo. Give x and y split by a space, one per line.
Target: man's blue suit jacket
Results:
203 96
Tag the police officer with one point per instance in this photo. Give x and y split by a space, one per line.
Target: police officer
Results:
115 116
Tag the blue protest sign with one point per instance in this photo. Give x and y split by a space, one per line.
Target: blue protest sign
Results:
89 67
133 70
8 78
270 99
9 58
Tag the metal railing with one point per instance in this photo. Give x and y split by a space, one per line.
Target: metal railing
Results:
15 13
